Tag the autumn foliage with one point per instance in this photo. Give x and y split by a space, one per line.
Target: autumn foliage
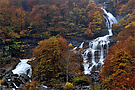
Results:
96 21
50 20
67 18
42 19
49 53
118 71
31 86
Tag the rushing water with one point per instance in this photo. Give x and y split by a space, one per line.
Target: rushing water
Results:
98 47
23 67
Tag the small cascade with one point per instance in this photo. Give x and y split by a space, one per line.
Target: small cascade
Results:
16 79
81 46
98 48
73 48
23 68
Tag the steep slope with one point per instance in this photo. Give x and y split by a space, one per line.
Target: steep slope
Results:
118 70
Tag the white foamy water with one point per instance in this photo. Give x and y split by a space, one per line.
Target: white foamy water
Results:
81 46
23 67
98 46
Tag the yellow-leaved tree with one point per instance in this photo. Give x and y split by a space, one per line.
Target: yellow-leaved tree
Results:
49 54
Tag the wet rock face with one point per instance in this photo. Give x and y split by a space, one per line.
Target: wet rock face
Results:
94 77
11 80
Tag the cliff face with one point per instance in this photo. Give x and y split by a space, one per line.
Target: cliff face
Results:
23 47
27 45
9 56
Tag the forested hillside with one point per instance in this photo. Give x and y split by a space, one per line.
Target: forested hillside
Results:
118 70
41 28
42 19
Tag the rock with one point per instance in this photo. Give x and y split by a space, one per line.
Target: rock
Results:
15 75
42 87
10 80
85 88
95 76
2 70
9 57
24 78
9 72
10 84
4 79
21 87
7 75
2 75
16 80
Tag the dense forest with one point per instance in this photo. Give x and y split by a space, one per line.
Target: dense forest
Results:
41 29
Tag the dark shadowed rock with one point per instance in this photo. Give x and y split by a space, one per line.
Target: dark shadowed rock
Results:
2 70
10 84
24 78
16 80
15 75
11 80
9 72
21 87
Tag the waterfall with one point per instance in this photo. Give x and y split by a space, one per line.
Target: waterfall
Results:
23 67
97 46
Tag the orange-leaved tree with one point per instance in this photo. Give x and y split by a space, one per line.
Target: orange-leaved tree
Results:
118 70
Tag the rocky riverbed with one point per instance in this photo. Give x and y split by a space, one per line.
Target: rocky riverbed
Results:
10 80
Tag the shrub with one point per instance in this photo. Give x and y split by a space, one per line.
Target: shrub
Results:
77 81
68 85
31 86
80 80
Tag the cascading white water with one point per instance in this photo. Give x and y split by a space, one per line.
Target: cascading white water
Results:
23 67
94 45
81 46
